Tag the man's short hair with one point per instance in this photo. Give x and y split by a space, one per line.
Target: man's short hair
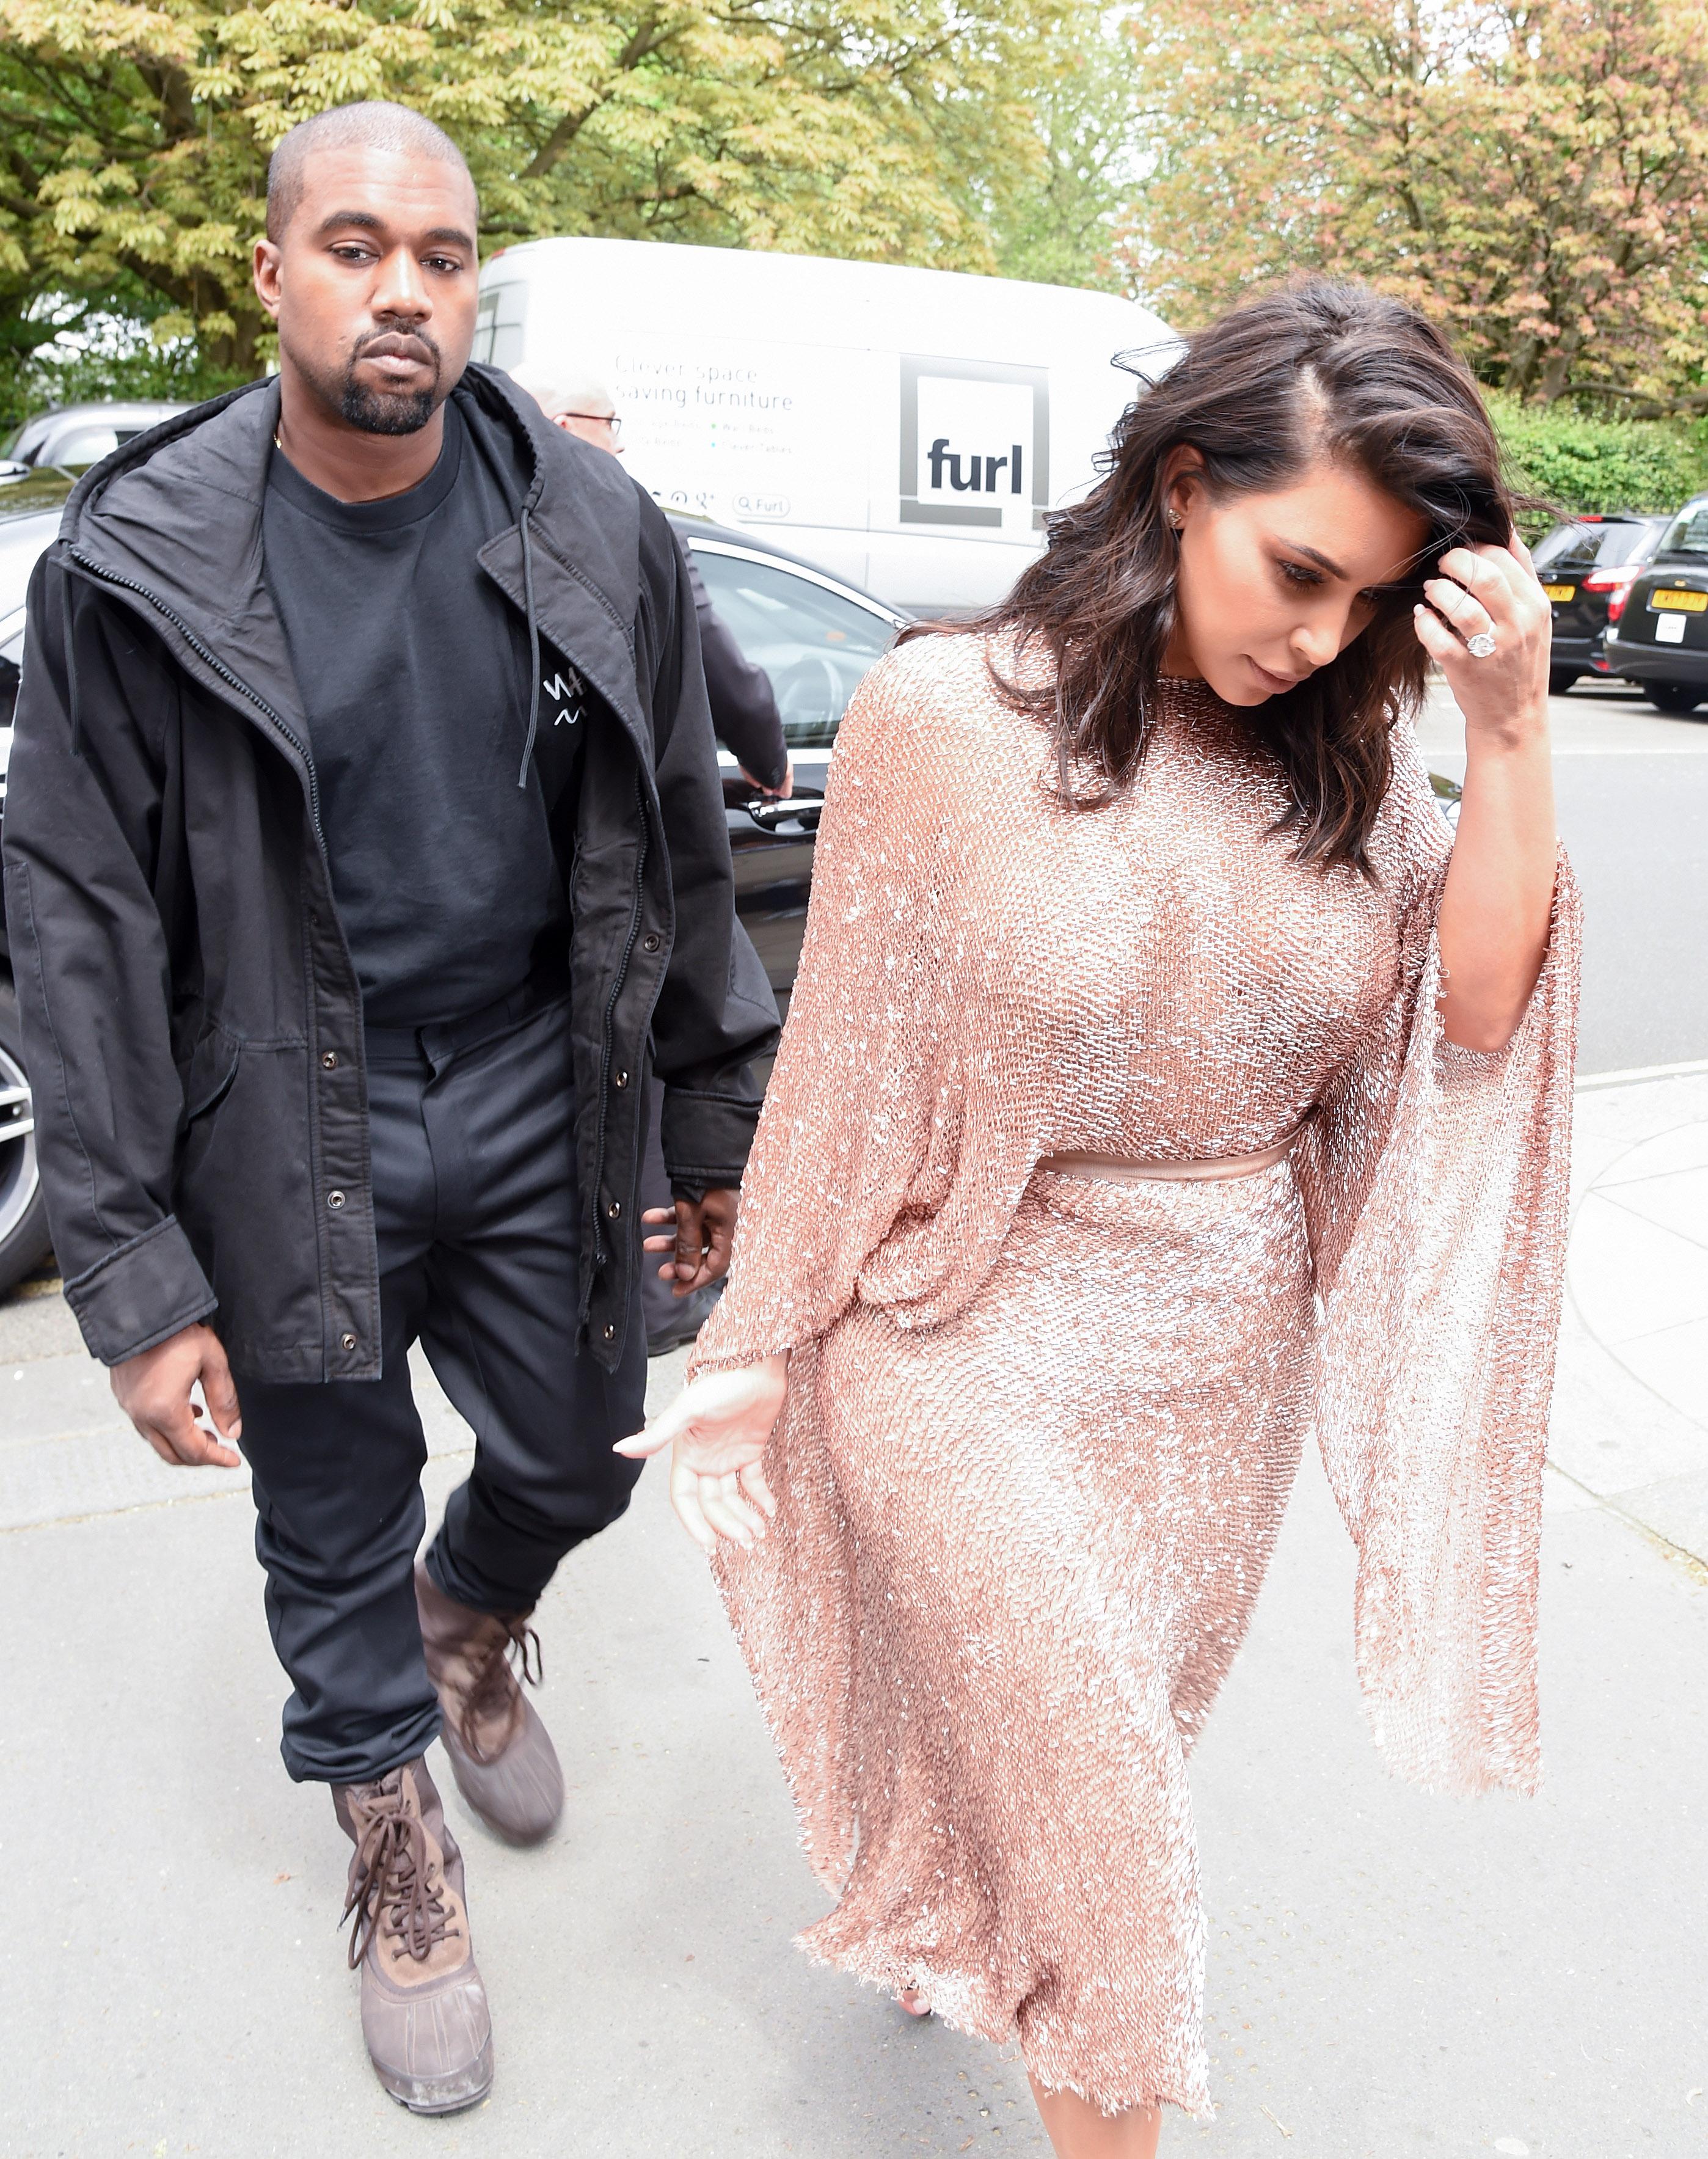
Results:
563 386
374 125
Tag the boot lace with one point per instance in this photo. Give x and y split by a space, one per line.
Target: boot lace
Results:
392 1886
489 1693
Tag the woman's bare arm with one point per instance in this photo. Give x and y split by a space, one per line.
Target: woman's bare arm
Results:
1499 895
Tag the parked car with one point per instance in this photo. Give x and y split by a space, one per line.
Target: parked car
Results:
1587 566
30 517
815 636
1660 640
78 435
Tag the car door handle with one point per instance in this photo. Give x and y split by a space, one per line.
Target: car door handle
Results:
768 816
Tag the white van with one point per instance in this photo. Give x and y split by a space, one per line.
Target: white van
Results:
905 428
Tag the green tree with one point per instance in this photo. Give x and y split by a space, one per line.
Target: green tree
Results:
1533 173
1056 217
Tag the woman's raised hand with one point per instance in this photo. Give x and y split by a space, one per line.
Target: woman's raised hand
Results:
716 1428
1489 625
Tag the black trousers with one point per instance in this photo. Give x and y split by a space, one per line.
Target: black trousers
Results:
478 1227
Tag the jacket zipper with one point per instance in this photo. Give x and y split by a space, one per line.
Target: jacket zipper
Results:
600 1253
212 660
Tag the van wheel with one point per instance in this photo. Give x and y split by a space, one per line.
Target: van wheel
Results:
1560 679
1674 697
25 1241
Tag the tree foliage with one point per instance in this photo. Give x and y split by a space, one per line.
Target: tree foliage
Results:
1533 173
134 134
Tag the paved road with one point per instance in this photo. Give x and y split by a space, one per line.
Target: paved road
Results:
1632 790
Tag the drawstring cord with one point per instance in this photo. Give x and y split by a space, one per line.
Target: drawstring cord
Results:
533 650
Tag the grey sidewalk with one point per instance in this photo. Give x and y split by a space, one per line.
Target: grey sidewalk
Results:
1391 1973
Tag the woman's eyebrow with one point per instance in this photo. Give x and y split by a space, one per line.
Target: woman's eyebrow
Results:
1317 556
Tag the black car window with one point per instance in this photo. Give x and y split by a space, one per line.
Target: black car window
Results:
1568 548
1581 548
1689 533
813 644
1626 542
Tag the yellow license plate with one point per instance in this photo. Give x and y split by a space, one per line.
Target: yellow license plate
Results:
1560 592
1687 602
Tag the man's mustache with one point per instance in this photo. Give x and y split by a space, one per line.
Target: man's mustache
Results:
402 345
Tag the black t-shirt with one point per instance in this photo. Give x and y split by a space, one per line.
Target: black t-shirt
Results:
412 668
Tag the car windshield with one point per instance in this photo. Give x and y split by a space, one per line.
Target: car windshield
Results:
815 645
1689 535
1596 546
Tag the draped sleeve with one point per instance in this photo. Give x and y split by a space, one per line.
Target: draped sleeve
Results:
1435 1181
858 1119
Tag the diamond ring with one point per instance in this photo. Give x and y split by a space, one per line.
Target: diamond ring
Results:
1480 647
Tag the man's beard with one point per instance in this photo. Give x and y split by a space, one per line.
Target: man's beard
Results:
386 412
383 411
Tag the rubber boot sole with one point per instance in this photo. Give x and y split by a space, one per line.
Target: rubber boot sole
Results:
441 2094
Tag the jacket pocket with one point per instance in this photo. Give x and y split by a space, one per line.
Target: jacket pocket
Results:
213 1068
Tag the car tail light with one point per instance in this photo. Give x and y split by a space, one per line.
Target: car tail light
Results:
1616 584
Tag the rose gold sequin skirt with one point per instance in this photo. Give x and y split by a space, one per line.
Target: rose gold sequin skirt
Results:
1014 1558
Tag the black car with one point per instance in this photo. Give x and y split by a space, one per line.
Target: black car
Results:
1587 568
1660 640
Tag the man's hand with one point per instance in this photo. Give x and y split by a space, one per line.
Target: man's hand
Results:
705 1229
154 1390
784 787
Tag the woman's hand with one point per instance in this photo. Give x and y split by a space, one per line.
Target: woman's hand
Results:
717 1428
1491 592
1499 899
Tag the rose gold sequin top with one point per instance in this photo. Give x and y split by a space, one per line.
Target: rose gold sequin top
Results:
1039 1433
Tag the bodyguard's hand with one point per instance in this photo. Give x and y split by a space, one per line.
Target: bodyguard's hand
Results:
716 1428
154 1391
704 1232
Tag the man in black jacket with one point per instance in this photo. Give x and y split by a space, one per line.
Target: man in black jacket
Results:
365 852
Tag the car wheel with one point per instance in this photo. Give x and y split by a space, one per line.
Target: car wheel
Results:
25 1241
1674 697
1560 679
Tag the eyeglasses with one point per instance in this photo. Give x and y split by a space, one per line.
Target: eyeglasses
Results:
605 420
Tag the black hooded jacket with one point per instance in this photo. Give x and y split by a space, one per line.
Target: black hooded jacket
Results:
191 1014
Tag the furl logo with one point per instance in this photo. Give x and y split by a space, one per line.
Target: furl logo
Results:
982 470
974 444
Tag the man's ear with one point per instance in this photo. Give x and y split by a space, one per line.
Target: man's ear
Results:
267 261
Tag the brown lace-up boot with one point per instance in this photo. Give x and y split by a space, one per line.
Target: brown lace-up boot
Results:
501 1754
424 2013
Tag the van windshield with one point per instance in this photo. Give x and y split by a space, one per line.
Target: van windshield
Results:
814 644
1689 535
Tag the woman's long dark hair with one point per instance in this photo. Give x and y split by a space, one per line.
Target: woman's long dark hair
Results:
1313 369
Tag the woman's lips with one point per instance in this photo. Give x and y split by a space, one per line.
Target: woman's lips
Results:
1273 682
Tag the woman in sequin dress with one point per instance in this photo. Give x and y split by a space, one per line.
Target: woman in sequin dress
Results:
1162 1080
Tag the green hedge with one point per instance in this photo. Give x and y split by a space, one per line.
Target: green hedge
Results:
1579 463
